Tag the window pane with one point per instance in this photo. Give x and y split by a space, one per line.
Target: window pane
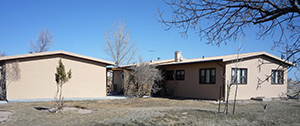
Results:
233 77
281 77
244 76
273 76
213 76
202 76
213 72
238 76
179 74
207 76
276 77
202 73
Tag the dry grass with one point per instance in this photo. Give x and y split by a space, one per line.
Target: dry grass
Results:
153 111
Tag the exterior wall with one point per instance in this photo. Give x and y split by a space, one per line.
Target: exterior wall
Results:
37 78
254 73
190 87
118 80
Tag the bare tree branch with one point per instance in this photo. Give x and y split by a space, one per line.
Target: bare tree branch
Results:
43 43
225 20
2 54
118 44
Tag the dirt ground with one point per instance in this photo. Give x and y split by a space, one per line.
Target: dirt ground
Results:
153 111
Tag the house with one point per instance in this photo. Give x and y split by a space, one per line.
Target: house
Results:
37 76
257 74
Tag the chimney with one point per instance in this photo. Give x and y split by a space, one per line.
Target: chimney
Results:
177 56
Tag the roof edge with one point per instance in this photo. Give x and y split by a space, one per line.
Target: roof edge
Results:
55 53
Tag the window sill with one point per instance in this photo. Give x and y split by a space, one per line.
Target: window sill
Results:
277 84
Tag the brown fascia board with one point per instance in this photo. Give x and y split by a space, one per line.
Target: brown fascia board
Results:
190 62
224 58
154 63
24 56
229 58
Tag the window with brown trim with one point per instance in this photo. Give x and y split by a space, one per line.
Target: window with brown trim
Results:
170 75
239 75
180 74
277 76
207 76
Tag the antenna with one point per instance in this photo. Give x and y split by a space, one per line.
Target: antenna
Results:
151 53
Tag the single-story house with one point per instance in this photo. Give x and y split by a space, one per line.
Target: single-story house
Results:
37 76
257 74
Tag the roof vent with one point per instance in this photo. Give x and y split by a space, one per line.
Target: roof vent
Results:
282 56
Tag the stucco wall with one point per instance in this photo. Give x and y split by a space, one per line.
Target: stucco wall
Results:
38 78
190 87
254 73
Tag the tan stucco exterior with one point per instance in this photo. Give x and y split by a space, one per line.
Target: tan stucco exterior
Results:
259 69
190 86
259 66
37 78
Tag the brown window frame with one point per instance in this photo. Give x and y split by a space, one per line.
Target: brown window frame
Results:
278 78
241 76
181 76
169 76
203 79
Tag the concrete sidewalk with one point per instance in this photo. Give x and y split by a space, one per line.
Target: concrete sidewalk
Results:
66 99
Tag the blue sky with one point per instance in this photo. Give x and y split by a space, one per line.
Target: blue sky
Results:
78 26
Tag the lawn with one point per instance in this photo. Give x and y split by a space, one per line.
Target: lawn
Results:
153 111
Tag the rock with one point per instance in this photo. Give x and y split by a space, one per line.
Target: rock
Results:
69 108
184 113
84 111
4 115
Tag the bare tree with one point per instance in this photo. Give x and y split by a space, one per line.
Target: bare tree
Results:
9 71
2 54
293 89
141 80
225 20
43 43
118 44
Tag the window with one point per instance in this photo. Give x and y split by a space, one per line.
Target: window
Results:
239 76
207 76
180 74
277 76
170 75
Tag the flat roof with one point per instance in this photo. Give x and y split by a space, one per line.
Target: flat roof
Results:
60 52
223 58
